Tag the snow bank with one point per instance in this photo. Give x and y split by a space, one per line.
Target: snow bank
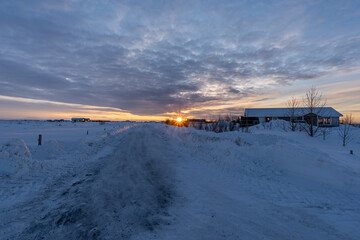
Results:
62 144
305 179
15 157
277 125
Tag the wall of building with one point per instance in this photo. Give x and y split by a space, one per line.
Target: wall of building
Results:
261 119
335 121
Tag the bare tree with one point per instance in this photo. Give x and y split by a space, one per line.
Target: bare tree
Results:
292 105
313 107
345 130
227 118
232 126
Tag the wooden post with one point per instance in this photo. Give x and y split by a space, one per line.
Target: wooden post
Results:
40 139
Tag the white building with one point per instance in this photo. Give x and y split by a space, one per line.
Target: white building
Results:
80 119
324 117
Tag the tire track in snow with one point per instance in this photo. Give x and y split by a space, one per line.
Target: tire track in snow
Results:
118 197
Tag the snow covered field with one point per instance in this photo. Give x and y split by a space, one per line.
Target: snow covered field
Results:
153 181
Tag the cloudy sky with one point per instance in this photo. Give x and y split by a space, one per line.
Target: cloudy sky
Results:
151 59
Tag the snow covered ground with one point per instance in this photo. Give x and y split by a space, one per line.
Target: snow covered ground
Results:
153 181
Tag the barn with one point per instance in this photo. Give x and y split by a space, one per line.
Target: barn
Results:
322 117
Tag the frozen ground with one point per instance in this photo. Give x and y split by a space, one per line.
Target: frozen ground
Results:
152 181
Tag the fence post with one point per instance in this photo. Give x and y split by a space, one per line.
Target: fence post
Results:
40 139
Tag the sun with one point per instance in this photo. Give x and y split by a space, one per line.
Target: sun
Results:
178 121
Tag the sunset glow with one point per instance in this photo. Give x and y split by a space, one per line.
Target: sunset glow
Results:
127 62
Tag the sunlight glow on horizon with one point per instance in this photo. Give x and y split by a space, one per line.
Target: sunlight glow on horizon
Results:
48 109
44 109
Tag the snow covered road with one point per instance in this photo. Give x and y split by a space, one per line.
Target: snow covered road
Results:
117 197
161 182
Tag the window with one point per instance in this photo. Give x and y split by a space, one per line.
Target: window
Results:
324 121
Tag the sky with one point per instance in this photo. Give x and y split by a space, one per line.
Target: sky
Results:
148 60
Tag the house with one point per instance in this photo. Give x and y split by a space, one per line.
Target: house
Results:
80 119
322 117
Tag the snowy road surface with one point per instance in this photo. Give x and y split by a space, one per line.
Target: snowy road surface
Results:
161 182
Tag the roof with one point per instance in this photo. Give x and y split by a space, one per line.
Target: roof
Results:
284 112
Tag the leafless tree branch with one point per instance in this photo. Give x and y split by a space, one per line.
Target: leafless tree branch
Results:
345 130
314 104
292 105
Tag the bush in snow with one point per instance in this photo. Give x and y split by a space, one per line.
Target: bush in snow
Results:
221 126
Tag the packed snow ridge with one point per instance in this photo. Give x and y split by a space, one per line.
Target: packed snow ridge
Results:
153 181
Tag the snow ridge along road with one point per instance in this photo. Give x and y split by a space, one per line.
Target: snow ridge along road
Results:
162 182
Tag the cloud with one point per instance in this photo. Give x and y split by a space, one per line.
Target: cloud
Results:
155 57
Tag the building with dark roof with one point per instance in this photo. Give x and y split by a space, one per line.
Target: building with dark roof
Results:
322 117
